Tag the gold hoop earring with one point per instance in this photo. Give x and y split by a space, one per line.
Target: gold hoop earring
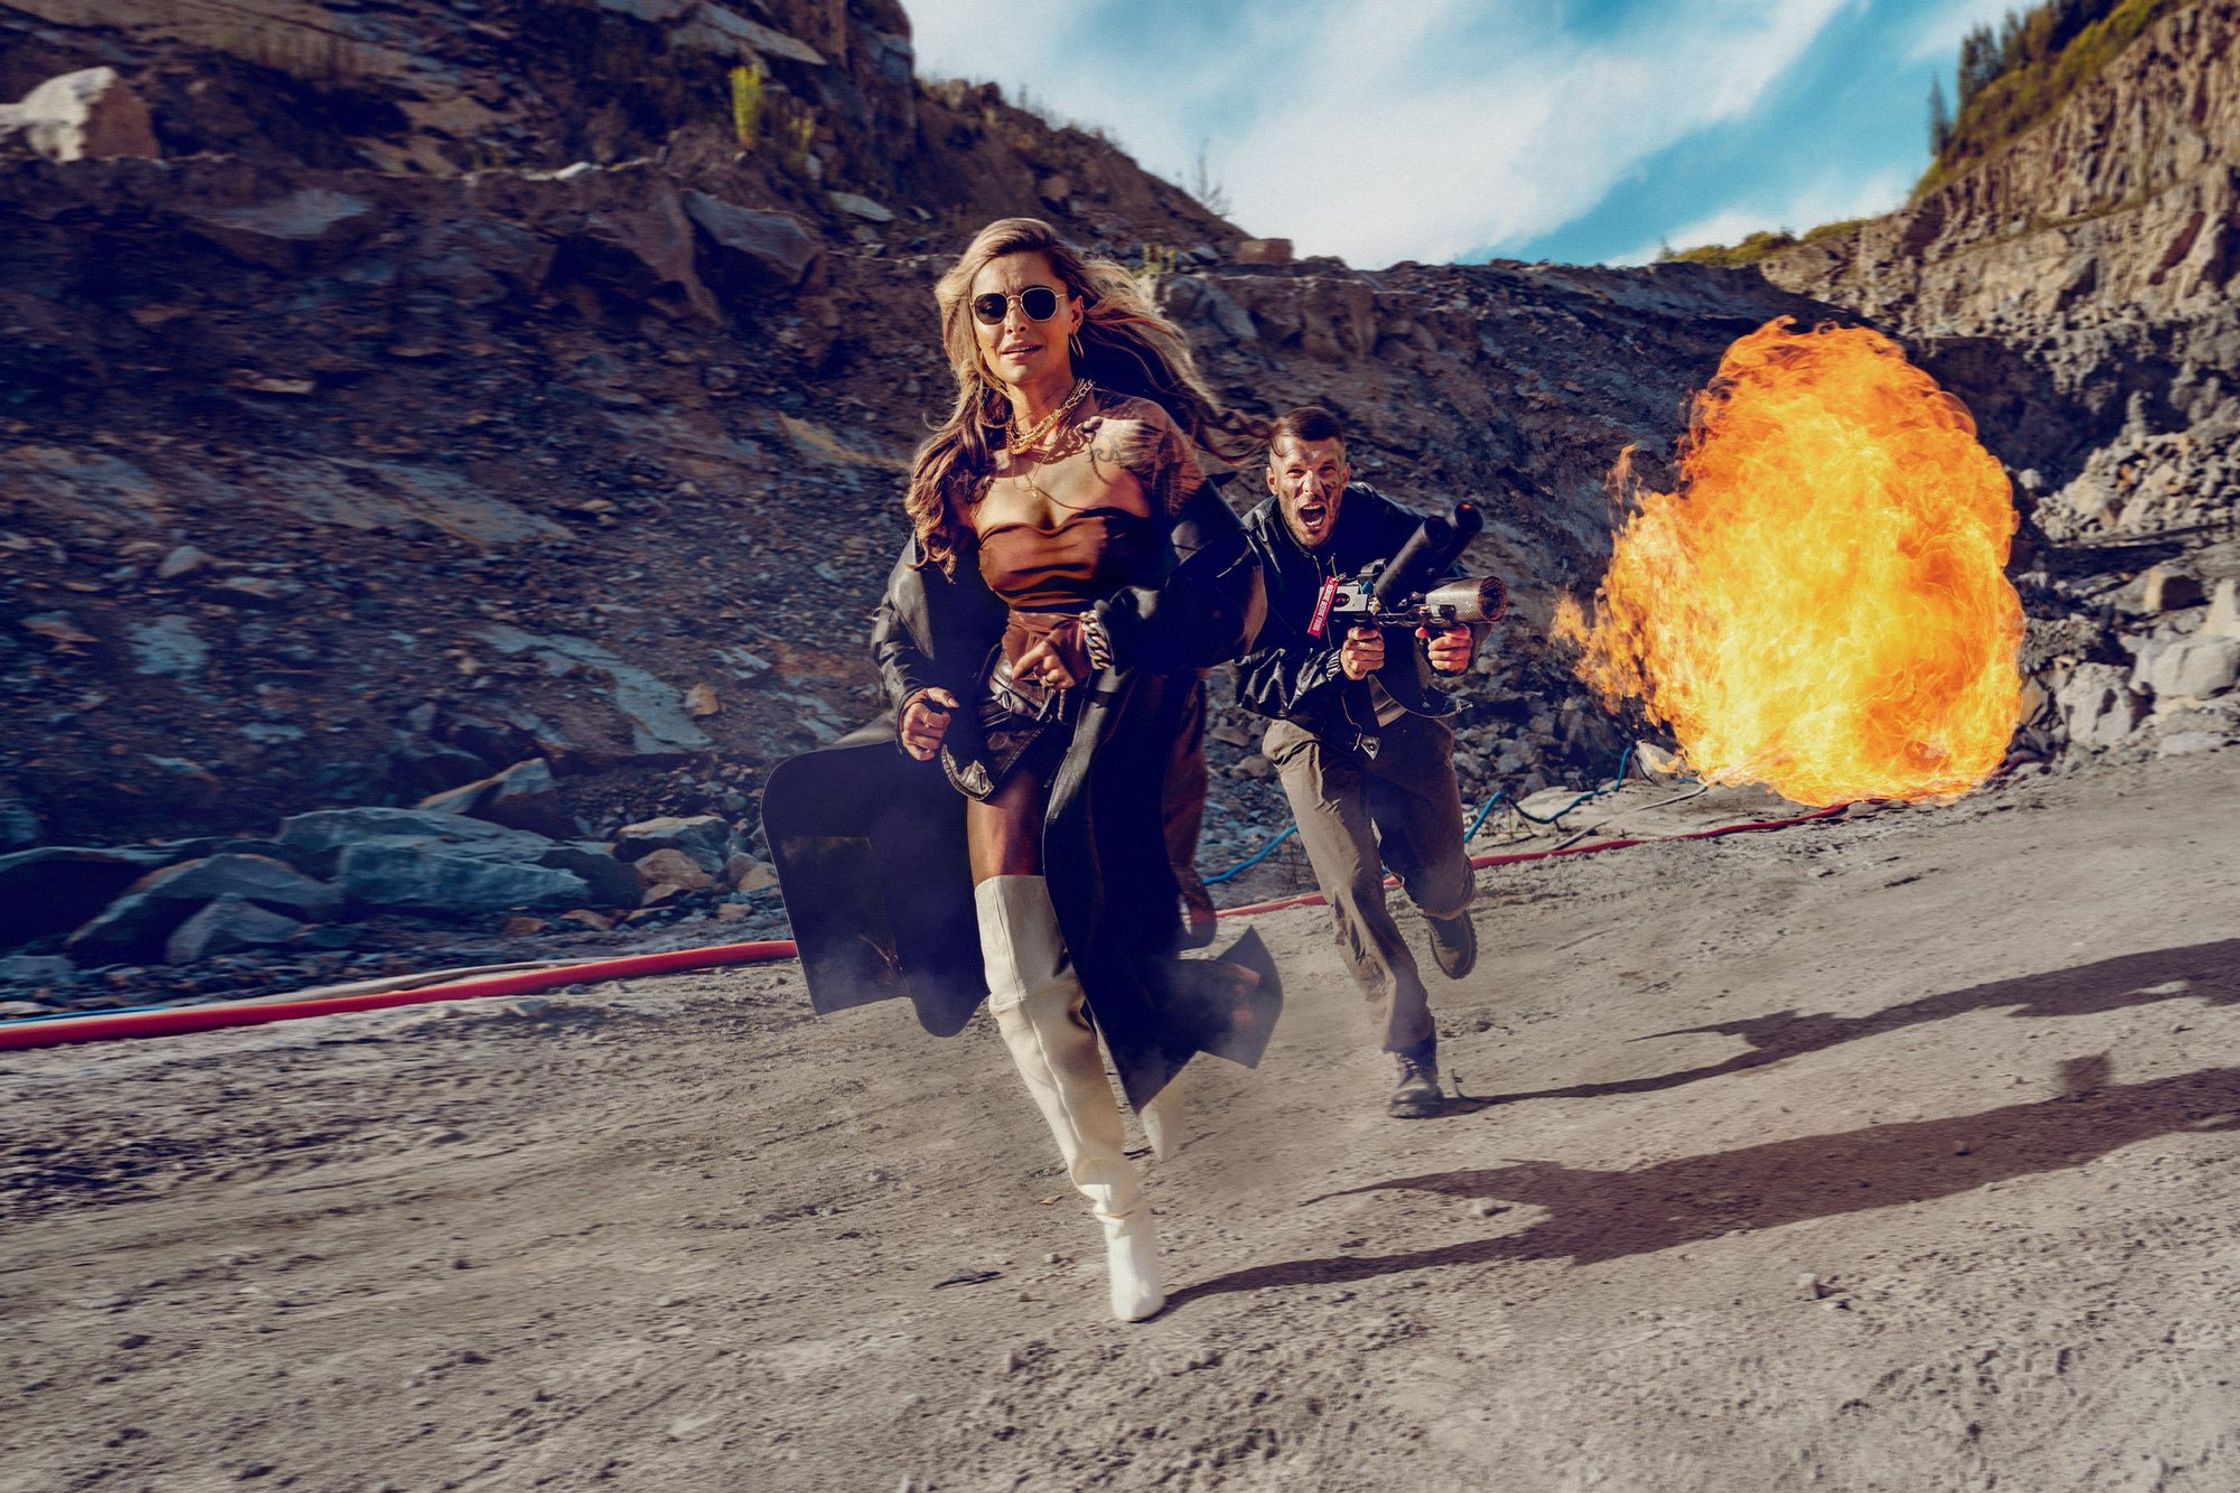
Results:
1073 345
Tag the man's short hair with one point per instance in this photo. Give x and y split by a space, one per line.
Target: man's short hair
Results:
1309 422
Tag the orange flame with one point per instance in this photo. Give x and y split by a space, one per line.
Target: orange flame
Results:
1821 607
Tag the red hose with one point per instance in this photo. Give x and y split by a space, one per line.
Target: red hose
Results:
173 1021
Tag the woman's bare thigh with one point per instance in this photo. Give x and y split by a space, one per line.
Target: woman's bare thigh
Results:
1003 832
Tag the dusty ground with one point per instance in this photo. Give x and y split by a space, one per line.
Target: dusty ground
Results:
1971 1069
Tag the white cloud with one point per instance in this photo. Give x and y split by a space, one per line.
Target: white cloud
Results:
1938 40
1451 141
1417 129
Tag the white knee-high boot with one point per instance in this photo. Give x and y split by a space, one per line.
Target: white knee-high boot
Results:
1037 1003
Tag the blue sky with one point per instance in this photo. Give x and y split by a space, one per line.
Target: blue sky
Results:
1575 130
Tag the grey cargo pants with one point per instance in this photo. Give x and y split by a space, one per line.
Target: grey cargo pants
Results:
1344 801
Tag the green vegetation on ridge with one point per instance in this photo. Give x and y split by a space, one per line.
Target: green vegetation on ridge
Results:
2011 81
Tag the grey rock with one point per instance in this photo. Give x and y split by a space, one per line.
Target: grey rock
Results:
2195 668
185 560
416 879
2223 620
775 247
524 796
2098 705
167 647
55 888
321 836
859 206
224 926
137 924
704 838
19 823
724 29
2188 743
35 969
612 883
284 232
660 724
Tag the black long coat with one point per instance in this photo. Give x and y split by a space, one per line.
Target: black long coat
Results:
869 844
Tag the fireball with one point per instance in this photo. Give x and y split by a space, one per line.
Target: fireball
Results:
1822 606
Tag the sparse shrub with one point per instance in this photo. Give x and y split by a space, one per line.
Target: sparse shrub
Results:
747 82
1155 260
1209 192
1733 256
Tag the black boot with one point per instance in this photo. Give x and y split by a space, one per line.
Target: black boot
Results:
1418 1096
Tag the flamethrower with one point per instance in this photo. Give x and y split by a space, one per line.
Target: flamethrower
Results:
1411 589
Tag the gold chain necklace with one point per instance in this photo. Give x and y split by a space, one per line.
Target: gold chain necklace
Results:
1027 440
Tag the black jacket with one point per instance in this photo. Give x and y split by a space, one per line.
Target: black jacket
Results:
1292 676
869 843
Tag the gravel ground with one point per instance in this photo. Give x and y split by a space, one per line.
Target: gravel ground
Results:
1895 1152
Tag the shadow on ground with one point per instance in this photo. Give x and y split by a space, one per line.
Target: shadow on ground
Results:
1594 1215
2206 972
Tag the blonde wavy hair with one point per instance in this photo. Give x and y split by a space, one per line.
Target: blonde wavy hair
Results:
1127 348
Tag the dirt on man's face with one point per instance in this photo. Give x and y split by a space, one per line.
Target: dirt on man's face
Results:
1309 480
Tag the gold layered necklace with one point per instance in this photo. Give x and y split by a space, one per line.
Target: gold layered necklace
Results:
1021 441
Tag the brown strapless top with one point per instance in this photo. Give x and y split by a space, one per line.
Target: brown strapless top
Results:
1047 575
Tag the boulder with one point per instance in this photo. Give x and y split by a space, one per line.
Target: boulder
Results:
1264 251
704 838
2098 705
291 232
85 115
524 797
667 868
2223 620
770 247
35 969
2159 589
19 822
1196 299
644 250
612 883
747 874
1657 764
411 878
2190 668
224 926
321 836
136 925
55 888
860 206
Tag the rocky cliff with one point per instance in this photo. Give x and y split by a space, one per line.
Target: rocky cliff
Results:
2104 246
2077 288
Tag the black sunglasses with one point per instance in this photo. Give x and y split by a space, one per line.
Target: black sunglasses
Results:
1040 303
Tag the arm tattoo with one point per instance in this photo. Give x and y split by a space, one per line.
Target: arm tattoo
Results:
1152 451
